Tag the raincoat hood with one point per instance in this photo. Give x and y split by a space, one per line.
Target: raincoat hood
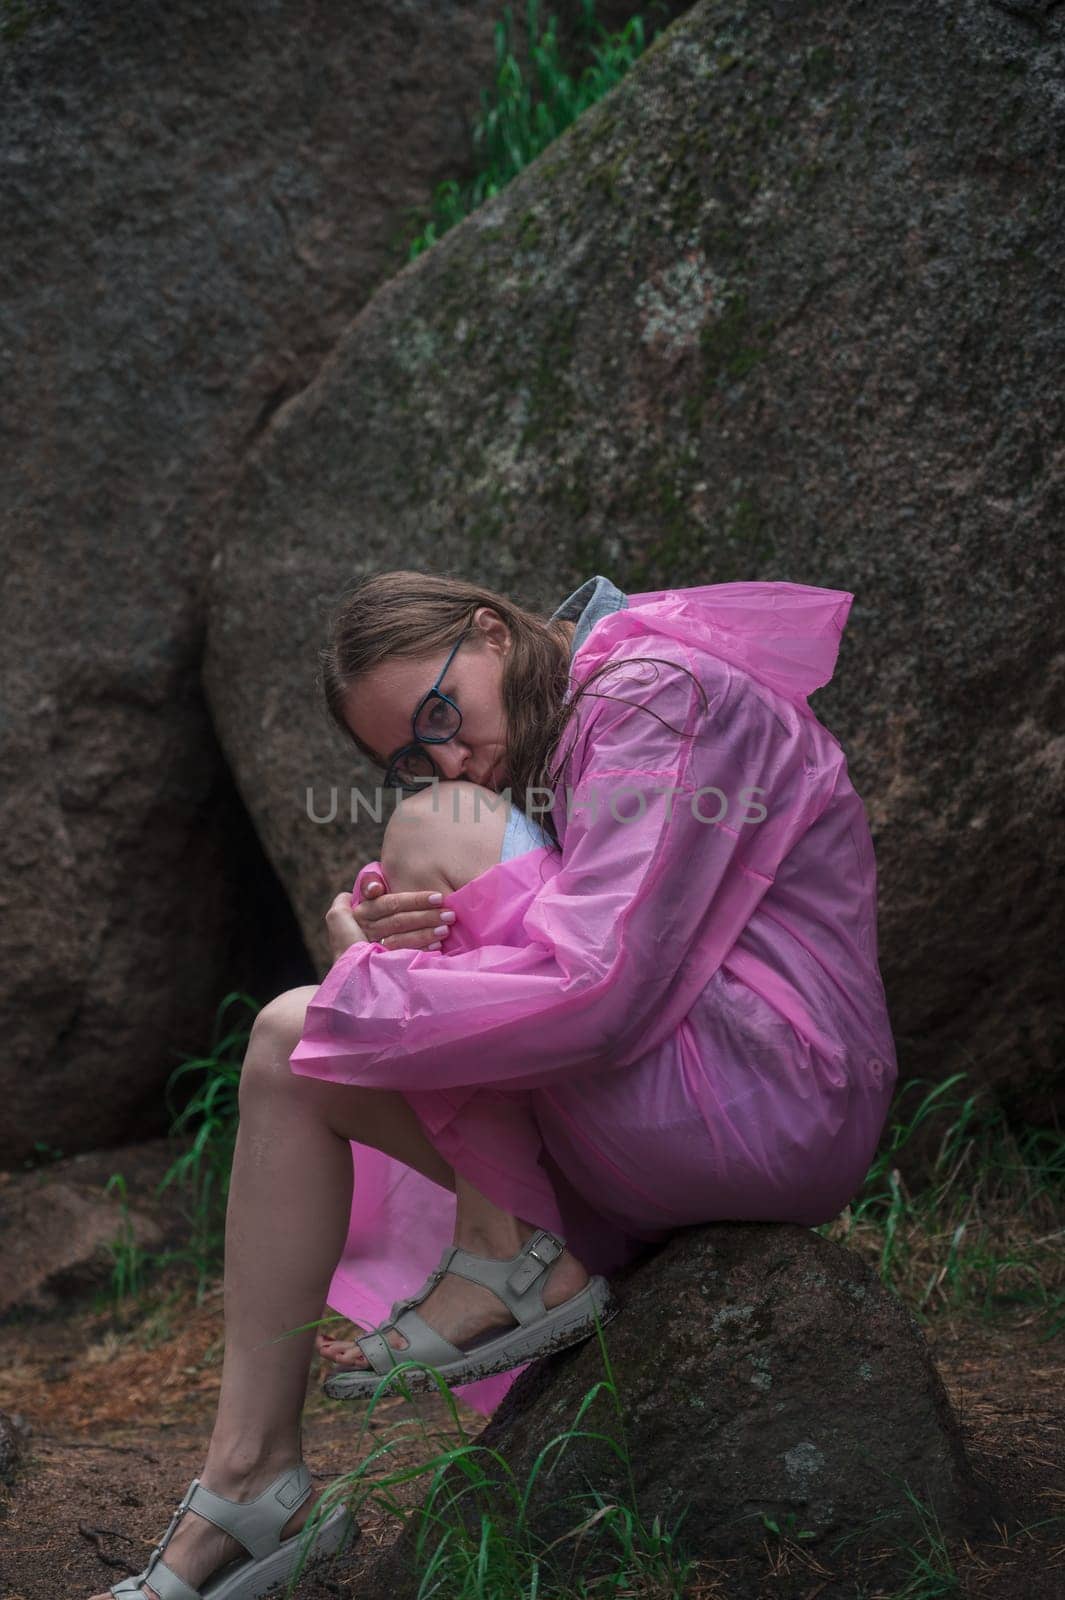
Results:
786 635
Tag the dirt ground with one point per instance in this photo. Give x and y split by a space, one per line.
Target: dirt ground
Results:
118 1411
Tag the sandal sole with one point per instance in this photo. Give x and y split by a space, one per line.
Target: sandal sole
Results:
564 1325
272 1574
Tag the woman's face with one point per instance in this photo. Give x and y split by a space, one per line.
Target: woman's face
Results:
379 707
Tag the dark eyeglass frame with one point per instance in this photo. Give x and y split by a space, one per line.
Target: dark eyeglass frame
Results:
391 781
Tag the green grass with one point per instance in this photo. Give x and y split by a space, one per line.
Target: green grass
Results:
207 1123
130 1264
984 1233
209 1119
472 1530
981 1237
468 1518
527 108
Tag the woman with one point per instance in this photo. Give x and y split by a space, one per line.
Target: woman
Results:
664 1009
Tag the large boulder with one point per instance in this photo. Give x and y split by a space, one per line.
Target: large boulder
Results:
784 305
757 1373
196 199
66 1229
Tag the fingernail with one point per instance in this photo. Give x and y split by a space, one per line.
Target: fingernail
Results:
435 946
447 916
435 899
441 931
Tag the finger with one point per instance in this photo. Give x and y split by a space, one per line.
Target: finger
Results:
425 939
399 918
401 930
394 903
341 928
341 908
403 927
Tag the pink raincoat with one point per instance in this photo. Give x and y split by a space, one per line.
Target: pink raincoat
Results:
680 1020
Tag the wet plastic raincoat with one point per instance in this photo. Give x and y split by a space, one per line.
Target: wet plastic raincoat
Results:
679 1019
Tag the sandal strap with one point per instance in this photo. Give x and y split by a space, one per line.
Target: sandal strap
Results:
256 1524
534 1258
424 1344
132 1588
377 1350
167 1584
519 1281
506 1278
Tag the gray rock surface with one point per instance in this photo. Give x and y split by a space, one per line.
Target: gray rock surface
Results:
59 1224
13 1435
196 200
758 1371
787 304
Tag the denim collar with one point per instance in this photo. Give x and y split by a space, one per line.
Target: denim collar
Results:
596 598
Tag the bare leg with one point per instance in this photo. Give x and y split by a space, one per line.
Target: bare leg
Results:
290 1199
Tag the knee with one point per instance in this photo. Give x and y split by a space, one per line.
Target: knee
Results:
443 836
275 1034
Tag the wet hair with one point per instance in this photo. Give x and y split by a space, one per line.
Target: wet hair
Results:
407 614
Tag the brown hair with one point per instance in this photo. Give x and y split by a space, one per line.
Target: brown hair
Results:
414 614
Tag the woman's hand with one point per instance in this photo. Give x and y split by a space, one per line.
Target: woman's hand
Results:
341 926
401 921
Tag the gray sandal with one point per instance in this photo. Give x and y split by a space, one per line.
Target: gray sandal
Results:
257 1524
519 1284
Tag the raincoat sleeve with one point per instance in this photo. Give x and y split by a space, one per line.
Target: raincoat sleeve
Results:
671 836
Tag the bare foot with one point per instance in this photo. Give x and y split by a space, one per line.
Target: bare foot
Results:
460 1310
198 1549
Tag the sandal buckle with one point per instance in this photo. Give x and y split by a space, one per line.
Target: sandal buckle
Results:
540 1248
544 1242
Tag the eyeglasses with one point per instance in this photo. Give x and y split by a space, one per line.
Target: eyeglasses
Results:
436 719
